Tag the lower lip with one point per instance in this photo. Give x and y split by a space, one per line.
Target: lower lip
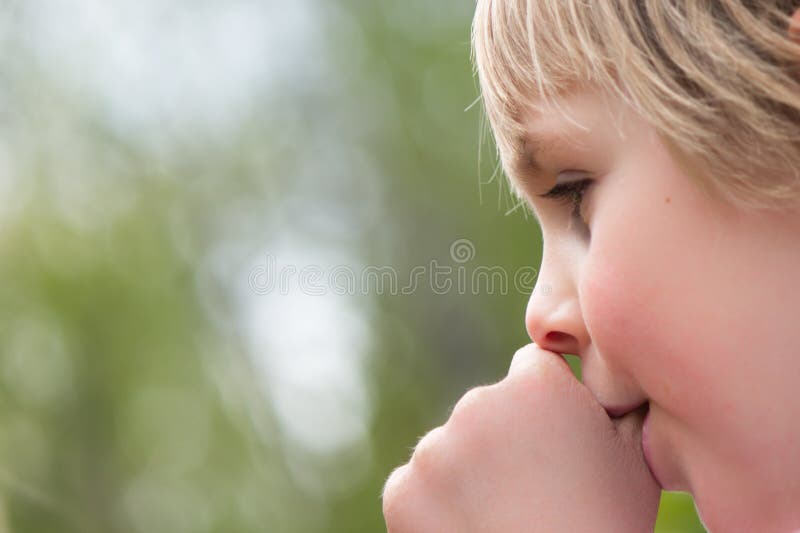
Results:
648 454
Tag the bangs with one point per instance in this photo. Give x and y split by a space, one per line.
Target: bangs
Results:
528 53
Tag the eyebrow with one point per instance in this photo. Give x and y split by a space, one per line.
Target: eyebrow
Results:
533 148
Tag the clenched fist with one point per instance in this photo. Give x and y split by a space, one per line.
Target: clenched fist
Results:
535 452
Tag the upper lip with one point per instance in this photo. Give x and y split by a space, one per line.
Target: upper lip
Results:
622 410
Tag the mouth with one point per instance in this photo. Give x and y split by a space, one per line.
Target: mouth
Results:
634 423
630 420
647 449
618 412
637 416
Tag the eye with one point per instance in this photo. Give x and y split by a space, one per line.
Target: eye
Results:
570 193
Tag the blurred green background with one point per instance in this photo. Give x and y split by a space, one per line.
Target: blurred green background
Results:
159 161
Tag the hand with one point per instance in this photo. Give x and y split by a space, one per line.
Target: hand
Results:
534 452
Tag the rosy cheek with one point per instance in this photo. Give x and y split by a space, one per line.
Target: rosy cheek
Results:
629 321
636 322
612 313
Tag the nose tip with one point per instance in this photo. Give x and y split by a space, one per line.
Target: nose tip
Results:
554 323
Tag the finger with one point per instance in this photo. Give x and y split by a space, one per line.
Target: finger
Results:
532 358
412 505
395 482
397 497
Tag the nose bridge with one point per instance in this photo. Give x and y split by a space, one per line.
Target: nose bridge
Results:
553 317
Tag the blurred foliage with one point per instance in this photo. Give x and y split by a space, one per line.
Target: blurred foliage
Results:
152 155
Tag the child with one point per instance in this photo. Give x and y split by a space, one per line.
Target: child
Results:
658 143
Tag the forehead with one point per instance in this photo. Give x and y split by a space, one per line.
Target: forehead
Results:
579 111
577 122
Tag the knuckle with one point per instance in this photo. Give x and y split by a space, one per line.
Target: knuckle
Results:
470 408
428 451
475 422
393 493
533 364
536 380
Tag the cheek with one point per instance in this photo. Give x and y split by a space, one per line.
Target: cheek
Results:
679 300
666 319
642 279
628 331
636 300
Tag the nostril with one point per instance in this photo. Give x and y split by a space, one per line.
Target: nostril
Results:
556 337
565 344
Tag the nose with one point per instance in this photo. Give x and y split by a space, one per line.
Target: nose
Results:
553 318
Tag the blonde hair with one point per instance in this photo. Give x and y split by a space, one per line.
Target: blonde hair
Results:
719 80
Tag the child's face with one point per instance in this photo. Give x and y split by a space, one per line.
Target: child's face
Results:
675 299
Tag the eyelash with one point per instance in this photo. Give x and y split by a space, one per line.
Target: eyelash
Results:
570 193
